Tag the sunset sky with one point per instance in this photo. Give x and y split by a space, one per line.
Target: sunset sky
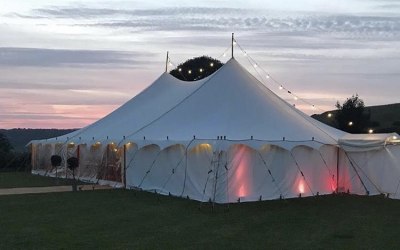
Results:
65 64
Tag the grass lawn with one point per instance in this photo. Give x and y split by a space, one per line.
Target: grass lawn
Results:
122 219
25 179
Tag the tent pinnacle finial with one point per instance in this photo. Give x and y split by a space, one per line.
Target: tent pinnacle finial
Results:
233 40
166 63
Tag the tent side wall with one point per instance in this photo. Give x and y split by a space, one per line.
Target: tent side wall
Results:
371 172
239 173
98 163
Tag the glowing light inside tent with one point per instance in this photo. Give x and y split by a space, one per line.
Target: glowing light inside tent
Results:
241 162
394 137
301 187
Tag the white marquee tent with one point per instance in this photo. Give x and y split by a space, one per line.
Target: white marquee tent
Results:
224 138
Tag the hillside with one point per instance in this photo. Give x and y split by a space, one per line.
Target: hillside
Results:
384 118
19 137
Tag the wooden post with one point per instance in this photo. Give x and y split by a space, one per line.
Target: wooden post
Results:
233 40
125 166
166 63
337 169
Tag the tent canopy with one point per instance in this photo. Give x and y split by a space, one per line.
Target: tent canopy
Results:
230 104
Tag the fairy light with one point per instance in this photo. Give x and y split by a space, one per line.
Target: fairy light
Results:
211 64
329 115
350 123
179 69
370 131
255 65
189 71
201 70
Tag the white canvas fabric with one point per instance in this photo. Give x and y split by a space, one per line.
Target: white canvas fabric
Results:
366 142
225 138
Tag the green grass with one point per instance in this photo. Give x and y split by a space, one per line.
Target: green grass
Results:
122 219
24 179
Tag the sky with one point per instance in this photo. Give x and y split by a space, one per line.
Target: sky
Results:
65 64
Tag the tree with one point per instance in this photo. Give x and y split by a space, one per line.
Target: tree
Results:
352 116
196 68
56 161
5 145
72 164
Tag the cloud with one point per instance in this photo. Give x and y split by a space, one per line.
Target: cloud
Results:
57 12
72 58
218 19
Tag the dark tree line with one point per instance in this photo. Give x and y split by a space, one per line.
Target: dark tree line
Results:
11 160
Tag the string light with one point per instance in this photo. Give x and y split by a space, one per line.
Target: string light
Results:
350 123
329 115
370 131
255 65
267 76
